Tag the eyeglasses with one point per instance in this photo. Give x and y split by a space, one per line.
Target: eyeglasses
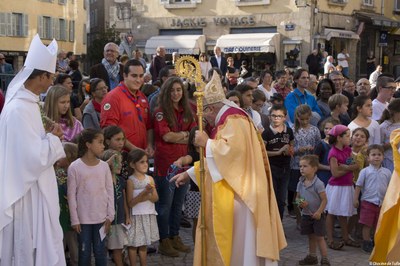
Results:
390 88
111 51
3 58
277 116
363 84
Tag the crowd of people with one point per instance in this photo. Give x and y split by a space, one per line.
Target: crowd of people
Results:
327 139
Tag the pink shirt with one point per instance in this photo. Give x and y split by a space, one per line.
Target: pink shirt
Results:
90 193
342 157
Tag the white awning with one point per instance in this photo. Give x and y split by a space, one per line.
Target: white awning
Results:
346 34
249 43
183 44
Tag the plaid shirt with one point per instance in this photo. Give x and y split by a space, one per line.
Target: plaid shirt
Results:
284 91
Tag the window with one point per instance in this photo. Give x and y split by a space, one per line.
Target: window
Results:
338 1
368 2
62 24
62 2
251 2
172 4
397 5
4 18
45 27
71 30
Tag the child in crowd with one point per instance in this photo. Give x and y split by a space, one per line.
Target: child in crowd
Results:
390 121
338 103
61 167
372 182
306 137
57 107
91 197
359 145
362 112
192 199
311 198
117 235
114 139
141 195
279 141
340 190
322 150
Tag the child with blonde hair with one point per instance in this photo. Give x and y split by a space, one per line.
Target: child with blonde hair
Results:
57 107
142 195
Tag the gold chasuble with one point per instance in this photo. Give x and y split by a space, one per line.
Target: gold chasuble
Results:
240 157
387 235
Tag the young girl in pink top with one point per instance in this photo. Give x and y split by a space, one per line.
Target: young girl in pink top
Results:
57 107
340 190
91 197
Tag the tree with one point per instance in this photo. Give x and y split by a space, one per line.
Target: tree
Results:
96 46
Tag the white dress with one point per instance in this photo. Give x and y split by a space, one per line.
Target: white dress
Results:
29 203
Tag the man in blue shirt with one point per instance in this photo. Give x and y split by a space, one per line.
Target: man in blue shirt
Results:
300 96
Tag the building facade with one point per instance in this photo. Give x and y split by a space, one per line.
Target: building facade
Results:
63 20
276 33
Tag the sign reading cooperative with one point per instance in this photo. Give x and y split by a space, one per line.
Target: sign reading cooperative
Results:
218 21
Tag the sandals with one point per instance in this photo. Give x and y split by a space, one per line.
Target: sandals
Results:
336 245
351 243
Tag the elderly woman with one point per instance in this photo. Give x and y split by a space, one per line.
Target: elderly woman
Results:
91 113
173 119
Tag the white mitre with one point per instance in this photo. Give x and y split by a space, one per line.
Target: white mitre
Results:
39 57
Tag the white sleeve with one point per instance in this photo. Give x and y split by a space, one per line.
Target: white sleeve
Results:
212 166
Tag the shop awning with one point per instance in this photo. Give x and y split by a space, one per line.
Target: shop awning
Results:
249 43
345 34
377 19
183 44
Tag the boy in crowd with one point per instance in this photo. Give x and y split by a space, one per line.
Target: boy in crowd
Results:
338 104
278 139
372 182
312 200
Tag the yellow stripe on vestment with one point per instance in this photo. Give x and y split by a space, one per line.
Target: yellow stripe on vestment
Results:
223 209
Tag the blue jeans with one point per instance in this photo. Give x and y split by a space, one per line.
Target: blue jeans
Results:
90 236
280 180
169 206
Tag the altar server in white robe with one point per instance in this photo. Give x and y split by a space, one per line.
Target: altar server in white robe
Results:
30 232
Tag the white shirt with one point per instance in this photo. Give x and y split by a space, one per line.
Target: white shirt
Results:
378 108
374 183
327 66
343 63
374 77
373 129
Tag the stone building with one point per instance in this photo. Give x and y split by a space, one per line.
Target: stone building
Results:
64 20
265 32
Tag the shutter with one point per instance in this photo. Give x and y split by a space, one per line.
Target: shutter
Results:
40 26
56 28
397 5
71 30
9 24
25 24
3 24
84 39
163 2
52 30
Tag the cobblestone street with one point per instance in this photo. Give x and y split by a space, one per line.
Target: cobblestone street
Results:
295 251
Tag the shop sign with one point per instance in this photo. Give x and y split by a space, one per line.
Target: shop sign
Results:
242 49
383 38
218 21
171 50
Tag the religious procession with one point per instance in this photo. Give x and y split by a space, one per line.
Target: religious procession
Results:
186 154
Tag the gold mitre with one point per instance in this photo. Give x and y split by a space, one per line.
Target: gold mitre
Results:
213 91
